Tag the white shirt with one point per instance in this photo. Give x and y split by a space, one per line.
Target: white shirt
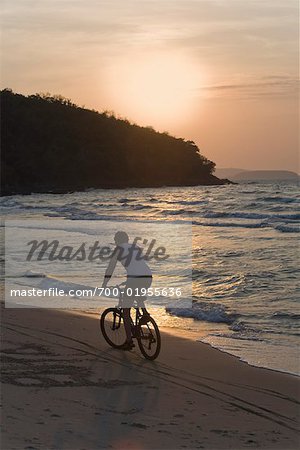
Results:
132 258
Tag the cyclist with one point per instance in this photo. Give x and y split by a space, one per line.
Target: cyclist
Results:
139 276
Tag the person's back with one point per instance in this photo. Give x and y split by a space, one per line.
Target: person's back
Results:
130 256
138 281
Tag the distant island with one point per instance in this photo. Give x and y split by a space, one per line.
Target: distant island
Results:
257 175
49 144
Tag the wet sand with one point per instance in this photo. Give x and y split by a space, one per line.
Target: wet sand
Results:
65 388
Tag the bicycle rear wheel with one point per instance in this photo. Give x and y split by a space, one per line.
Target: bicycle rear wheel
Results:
112 327
149 339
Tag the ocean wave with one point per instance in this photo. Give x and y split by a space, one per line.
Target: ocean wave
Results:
87 215
231 224
73 213
198 274
8 202
284 332
32 274
179 202
204 311
284 228
280 199
251 215
126 200
229 215
240 331
74 204
238 336
46 281
285 315
245 331
187 202
140 206
34 207
231 254
242 327
176 212
229 280
49 281
287 228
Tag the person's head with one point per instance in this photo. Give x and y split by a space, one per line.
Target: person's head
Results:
121 238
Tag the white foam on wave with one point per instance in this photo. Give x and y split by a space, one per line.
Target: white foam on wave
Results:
284 228
45 281
239 336
140 206
278 222
176 212
32 274
9 202
250 215
66 286
231 224
186 202
126 200
280 199
204 311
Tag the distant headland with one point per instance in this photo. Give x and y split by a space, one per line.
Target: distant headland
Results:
49 144
257 175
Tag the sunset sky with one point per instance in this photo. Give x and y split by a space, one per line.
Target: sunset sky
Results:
223 73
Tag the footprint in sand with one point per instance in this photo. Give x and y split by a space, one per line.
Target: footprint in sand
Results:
224 432
138 425
28 381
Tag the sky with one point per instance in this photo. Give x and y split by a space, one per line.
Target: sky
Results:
223 73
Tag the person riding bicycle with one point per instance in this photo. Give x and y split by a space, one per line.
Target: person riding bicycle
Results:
139 277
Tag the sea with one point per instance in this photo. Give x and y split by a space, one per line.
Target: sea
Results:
244 264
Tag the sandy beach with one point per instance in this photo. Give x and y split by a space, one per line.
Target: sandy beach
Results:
64 388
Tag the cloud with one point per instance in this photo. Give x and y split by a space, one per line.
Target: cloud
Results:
226 37
266 86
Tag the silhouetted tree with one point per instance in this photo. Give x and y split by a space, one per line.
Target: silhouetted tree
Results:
51 144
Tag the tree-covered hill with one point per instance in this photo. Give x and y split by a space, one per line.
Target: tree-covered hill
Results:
51 145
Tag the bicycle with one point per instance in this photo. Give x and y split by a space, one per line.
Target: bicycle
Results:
143 328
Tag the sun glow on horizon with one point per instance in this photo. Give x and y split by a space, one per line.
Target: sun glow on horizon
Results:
154 89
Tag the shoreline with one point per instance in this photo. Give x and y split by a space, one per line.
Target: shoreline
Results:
68 190
78 392
194 337
188 335
174 331
244 361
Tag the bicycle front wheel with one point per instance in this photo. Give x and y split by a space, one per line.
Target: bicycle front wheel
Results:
149 339
112 327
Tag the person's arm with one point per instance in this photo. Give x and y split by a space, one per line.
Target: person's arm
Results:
111 267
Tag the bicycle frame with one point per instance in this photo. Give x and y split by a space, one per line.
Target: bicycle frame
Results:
143 327
138 308
135 322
